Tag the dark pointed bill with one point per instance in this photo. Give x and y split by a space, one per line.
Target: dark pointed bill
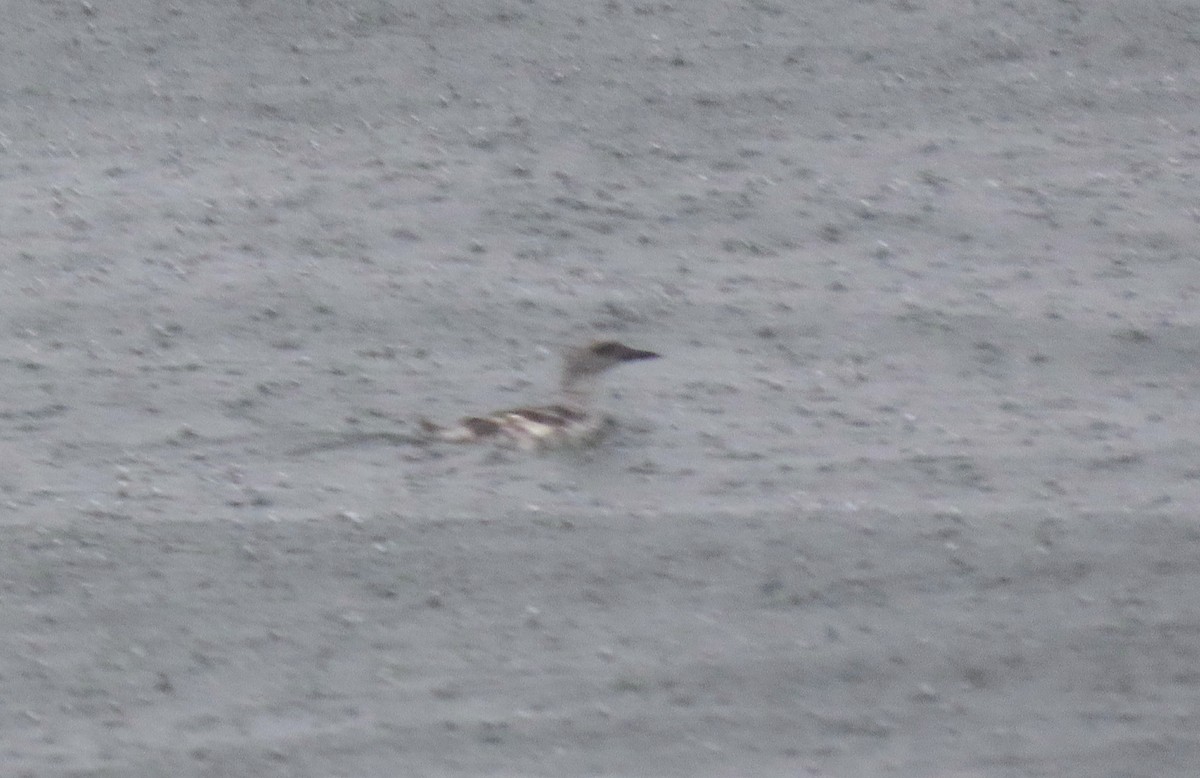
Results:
619 351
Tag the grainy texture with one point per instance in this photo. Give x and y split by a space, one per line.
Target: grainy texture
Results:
912 492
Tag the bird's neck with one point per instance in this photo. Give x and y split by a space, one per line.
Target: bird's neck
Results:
578 391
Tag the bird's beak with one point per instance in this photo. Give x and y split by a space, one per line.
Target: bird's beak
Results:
633 354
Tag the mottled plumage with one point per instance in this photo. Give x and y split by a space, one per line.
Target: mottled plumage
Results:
569 422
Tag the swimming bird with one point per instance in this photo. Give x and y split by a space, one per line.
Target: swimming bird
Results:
572 421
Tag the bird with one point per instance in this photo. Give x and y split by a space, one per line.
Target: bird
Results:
572 421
